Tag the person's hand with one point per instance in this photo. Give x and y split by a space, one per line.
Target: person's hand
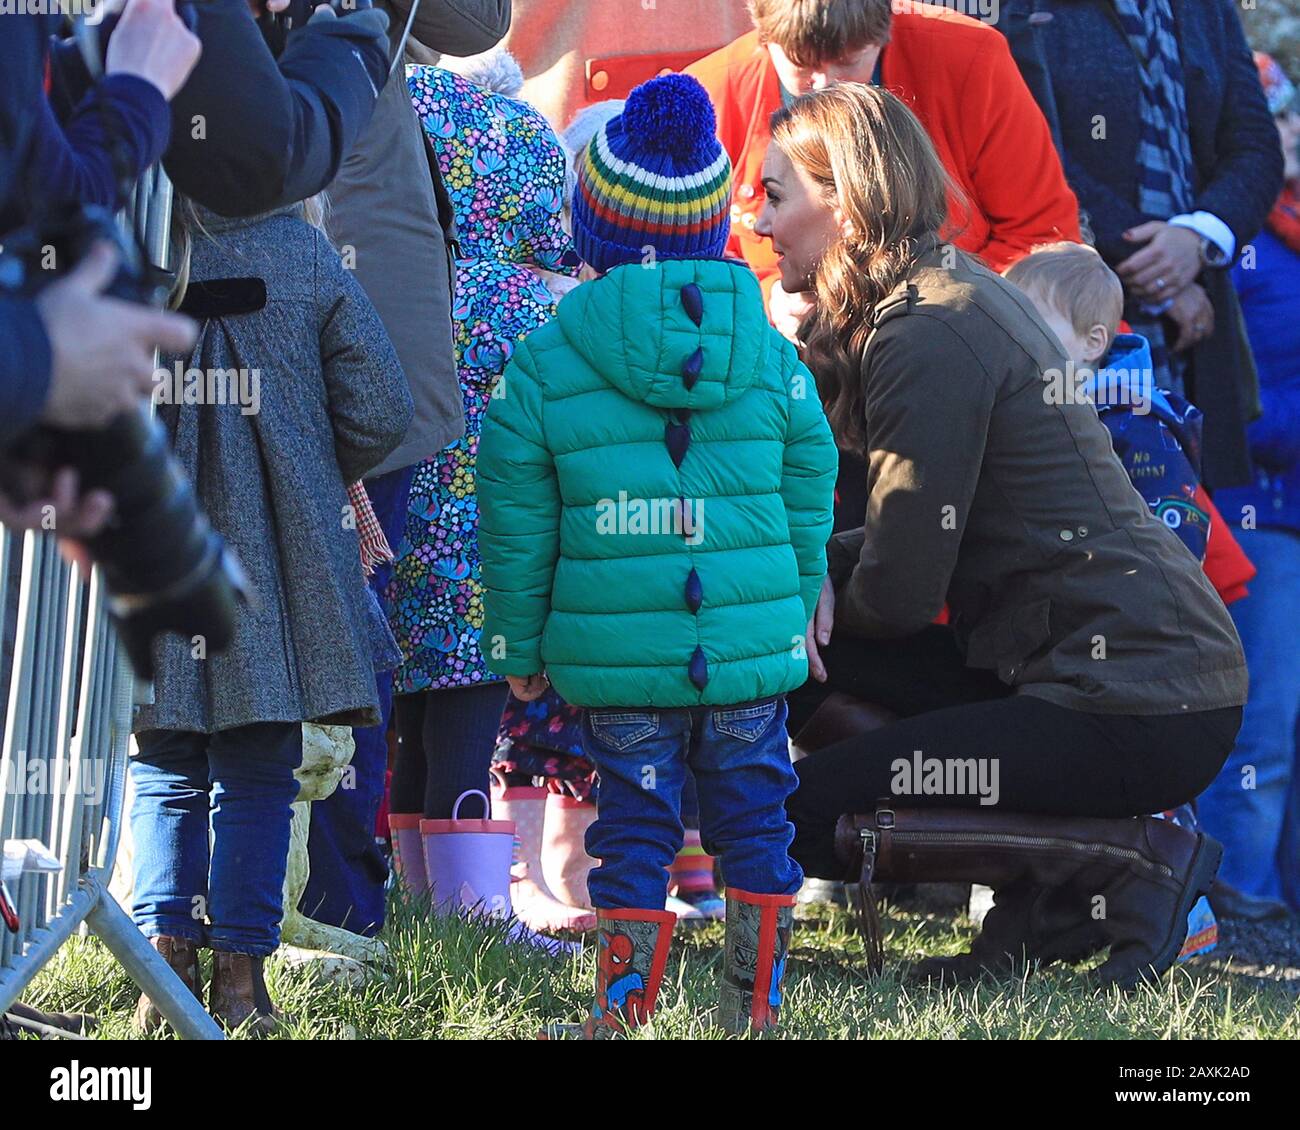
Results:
788 311
1166 266
1193 314
103 361
60 508
260 7
530 689
819 631
153 43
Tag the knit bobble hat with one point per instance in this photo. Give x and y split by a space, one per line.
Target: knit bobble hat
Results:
655 183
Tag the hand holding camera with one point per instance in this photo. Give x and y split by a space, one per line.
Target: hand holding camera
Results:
165 568
103 361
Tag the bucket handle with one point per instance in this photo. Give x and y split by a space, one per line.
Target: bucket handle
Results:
487 804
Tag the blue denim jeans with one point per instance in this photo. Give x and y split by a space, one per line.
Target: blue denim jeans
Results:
741 760
345 886
232 898
1253 806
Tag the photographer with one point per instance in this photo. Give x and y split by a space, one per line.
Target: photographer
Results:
72 357
252 131
122 125
276 136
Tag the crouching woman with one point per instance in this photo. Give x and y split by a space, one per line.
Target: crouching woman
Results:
1088 666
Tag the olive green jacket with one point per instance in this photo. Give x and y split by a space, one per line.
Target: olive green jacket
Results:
988 493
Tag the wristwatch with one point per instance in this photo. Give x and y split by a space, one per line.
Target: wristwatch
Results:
1212 254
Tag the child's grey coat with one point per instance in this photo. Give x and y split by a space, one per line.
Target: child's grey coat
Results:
331 403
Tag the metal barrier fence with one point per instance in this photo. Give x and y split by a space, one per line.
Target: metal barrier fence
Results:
66 724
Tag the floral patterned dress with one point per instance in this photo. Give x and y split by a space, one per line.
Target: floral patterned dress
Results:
504 169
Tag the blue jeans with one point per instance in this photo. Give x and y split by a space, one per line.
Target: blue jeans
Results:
232 898
348 871
741 760
1253 806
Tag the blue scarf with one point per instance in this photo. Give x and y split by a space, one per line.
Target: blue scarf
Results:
1164 157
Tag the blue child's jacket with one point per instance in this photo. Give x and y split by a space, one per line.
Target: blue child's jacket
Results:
1157 436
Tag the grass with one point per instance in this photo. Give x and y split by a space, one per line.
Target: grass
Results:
451 980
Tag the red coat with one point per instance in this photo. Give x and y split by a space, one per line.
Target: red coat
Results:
958 75
1226 565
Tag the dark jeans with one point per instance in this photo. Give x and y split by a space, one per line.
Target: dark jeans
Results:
233 897
1048 760
348 871
445 743
741 761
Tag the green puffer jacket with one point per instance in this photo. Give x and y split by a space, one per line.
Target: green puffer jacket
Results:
656 480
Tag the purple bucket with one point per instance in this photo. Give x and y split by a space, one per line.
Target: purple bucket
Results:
468 861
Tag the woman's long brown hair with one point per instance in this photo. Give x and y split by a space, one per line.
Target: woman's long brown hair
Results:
873 160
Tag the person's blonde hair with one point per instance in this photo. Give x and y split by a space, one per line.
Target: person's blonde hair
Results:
873 160
186 222
820 31
1074 280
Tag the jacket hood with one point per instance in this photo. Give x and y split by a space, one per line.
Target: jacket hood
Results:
502 166
1127 379
683 334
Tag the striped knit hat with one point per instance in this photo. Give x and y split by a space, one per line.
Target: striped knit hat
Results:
654 177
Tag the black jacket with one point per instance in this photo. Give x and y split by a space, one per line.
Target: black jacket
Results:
250 132
1092 79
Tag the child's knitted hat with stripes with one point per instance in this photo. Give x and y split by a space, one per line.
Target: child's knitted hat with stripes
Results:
655 183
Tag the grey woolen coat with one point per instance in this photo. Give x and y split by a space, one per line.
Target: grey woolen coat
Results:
331 402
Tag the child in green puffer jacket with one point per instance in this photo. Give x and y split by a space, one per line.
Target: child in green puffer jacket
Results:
656 482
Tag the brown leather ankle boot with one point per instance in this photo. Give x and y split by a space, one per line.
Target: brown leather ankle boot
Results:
1073 883
183 956
238 994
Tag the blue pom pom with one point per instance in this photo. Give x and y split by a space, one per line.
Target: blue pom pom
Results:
670 115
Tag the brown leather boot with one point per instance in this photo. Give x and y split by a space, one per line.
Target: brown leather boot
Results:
238 994
1072 884
183 956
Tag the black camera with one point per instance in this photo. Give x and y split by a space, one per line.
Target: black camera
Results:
165 568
